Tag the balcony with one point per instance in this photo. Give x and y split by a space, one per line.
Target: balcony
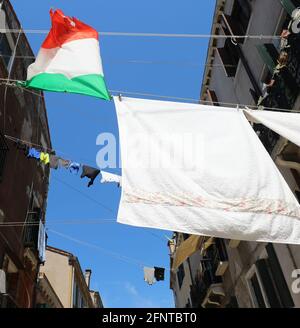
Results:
34 234
208 289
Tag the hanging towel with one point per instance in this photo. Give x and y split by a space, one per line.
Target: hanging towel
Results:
201 170
107 177
149 275
285 124
159 273
45 158
89 172
32 152
54 162
74 167
187 248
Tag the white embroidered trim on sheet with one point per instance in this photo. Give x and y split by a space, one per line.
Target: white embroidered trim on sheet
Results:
268 206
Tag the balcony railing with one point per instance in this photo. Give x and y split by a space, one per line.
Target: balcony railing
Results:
212 265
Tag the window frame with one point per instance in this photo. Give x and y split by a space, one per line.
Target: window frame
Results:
253 271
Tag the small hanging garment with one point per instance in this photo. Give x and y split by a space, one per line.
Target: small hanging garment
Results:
54 162
110 177
63 163
74 167
159 273
89 172
149 275
32 152
44 157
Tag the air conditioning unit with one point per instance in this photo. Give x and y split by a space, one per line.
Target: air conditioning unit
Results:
2 282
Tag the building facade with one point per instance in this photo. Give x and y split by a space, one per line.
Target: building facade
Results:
72 287
264 73
23 181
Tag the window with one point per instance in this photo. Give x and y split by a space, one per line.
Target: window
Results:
266 282
281 286
212 97
3 152
75 295
256 289
237 23
230 57
5 49
31 231
180 275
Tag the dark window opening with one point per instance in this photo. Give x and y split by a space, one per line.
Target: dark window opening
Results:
280 284
5 49
230 57
31 231
180 275
257 291
212 97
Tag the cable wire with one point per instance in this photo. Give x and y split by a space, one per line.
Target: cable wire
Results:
159 35
108 252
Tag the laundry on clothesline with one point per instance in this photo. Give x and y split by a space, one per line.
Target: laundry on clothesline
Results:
285 124
202 170
89 172
152 275
74 167
107 177
44 157
34 153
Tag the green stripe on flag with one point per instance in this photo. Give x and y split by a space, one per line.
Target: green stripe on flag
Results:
90 85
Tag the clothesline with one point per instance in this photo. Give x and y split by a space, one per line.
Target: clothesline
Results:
113 254
59 222
159 35
142 61
152 95
29 143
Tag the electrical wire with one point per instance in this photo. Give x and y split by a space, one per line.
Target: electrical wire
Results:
191 100
158 35
58 222
108 252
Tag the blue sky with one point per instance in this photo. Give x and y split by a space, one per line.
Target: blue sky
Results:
76 121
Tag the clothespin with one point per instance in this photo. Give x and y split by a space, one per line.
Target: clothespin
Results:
120 97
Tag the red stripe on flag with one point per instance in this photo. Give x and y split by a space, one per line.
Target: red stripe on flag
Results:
65 29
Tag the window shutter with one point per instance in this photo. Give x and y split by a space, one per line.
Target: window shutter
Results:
266 280
288 5
279 280
269 55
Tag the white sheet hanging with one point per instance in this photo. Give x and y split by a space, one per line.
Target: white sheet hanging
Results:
285 124
220 180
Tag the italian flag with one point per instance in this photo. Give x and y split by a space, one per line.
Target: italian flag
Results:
69 59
